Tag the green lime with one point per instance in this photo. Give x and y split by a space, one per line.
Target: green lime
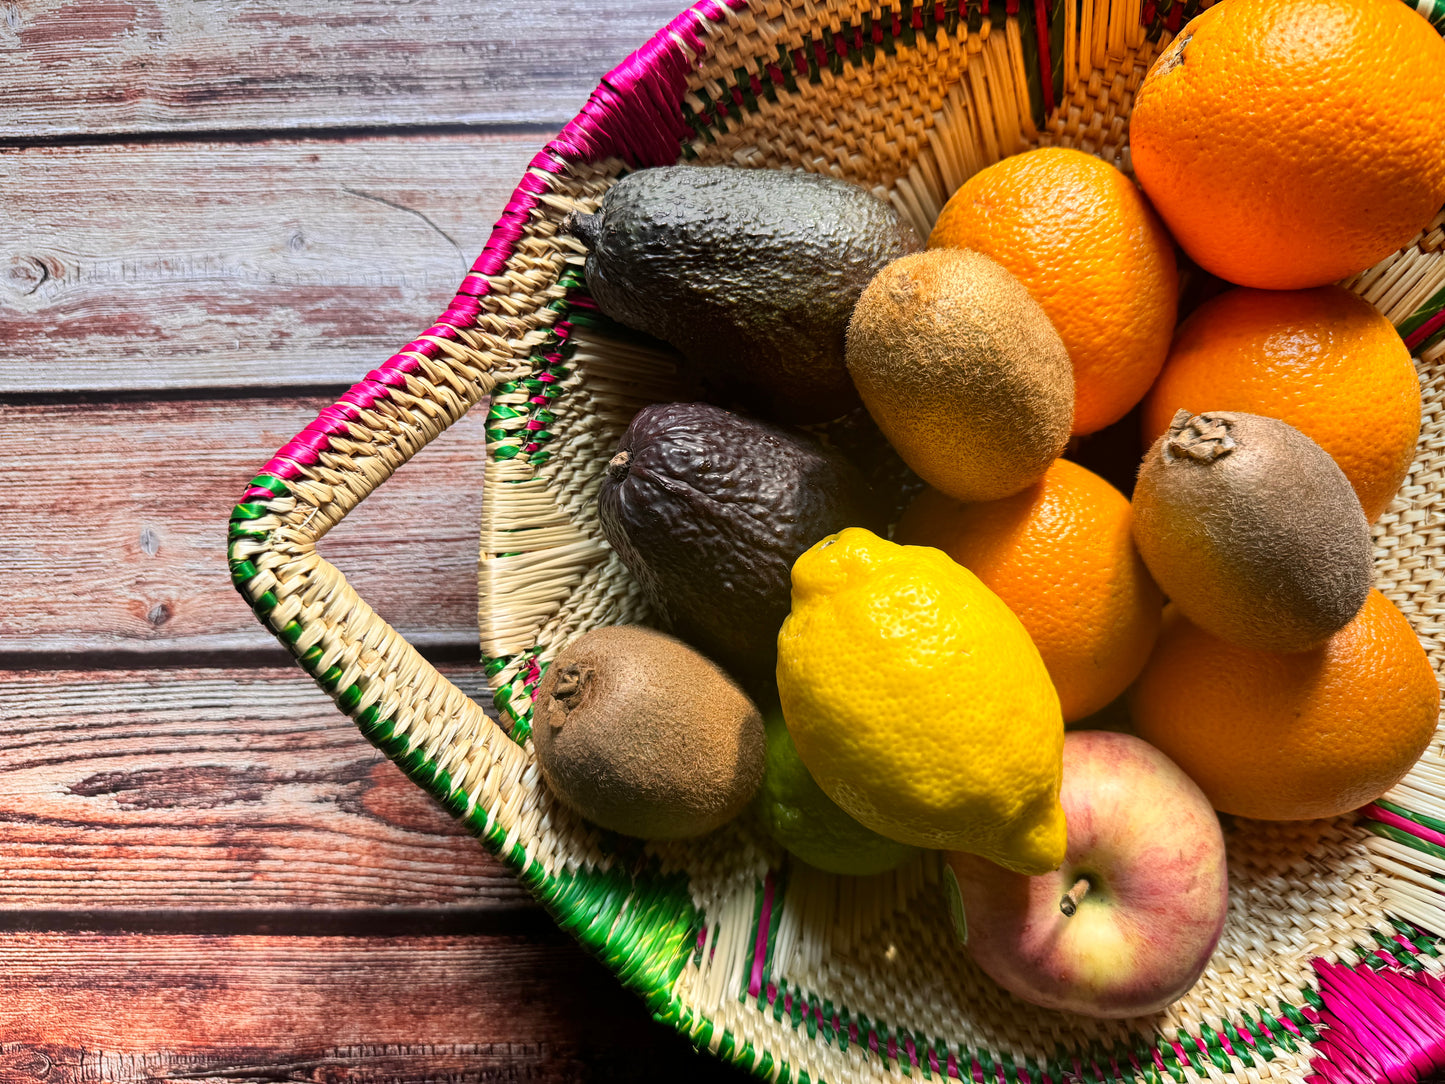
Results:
804 820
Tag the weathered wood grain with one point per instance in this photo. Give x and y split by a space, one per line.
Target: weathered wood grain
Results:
231 790
105 66
270 264
114 527
78 1009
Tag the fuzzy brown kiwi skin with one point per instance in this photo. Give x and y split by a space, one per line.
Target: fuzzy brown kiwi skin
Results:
642 735
963 372
1252 530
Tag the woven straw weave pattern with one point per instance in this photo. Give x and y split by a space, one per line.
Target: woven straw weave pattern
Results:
912 126
841 961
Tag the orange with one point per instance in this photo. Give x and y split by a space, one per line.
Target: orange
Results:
1061 557
1084 241
1289 143
1291 737
1322 360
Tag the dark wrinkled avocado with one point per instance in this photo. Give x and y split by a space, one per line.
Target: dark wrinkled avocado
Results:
751 274
709 510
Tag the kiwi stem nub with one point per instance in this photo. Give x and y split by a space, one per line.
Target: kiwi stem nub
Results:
1070 903
586 228
570 684
1199 437
619 465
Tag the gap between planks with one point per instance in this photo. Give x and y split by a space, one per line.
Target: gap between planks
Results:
519 919
542 132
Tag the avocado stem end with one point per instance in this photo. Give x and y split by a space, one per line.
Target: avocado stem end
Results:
586 228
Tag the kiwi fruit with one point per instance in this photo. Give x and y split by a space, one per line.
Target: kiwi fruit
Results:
963 372
1252 530
640 734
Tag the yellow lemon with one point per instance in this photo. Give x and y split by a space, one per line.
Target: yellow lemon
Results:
919 703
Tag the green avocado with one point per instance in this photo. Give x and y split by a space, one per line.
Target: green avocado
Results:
708 510
751 274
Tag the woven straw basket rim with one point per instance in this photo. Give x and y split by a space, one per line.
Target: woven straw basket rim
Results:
1330 968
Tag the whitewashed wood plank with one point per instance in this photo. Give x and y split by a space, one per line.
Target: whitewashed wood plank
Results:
88 67
113 528
229 790
81 1008
236 265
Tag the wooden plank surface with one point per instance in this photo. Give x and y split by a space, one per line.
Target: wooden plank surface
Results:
114 538
219 789
217 216
82 1009
270 264
85 67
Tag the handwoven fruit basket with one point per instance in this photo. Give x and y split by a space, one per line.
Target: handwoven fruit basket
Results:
1329 968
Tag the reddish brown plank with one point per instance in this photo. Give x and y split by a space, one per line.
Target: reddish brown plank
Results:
178 790
230 265
81 1009
101 66
115 524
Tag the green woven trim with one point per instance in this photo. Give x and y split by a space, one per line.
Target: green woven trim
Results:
514 432
526 431
1260 1036
513 700
1391 832
640 922
1409 814
1431 307
242 529
1434 11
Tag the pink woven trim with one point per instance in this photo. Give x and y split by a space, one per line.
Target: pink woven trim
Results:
1378 1026
505 234
304 449
1394 820
1046 67
634 114
760 945
1425 330
281 468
